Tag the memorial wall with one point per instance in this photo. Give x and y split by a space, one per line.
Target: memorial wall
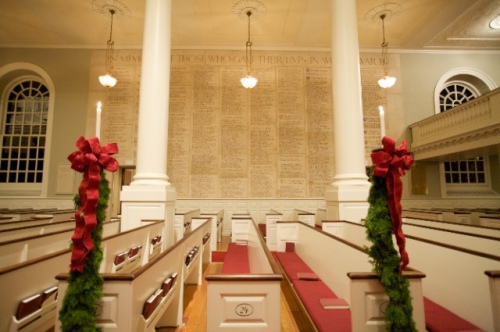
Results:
225 141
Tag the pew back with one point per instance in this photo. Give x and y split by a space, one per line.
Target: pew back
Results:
473 229
24 249
42 227
454 275
272 218
333 259
251 301
182 222
125 294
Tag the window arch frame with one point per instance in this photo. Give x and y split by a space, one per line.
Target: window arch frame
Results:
447 77
13 74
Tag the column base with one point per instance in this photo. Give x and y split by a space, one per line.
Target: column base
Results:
347 201
148 202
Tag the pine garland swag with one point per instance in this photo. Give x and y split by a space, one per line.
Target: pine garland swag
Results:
78 312
386 261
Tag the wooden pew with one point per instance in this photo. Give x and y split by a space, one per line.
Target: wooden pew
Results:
217 226
320 216
36 275
490 220
494 283
28 248
455 215
476 214
19 214
133 302
251 301
272 217
239 225
454 275
56 215
425 214
24 213
133 249
305 216
472 229
311 291
8 223
488 244
182 222
341 258
43 226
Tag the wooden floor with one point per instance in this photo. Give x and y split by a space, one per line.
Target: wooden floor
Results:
195 305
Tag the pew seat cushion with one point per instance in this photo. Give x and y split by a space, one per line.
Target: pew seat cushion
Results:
236 259
440 319
310 293
292 264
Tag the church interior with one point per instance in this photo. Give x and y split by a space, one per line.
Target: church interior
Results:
217 163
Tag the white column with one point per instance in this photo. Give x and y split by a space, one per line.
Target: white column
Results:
150 195
347 195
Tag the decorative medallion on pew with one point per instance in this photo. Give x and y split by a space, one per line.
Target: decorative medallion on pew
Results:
384 219
80 305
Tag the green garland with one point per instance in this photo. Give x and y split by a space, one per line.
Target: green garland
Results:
78 312
386 260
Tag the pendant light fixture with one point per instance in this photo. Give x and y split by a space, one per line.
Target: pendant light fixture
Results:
108 80
386 81
248 81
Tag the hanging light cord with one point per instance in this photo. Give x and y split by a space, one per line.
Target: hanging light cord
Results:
384 44
110 43
249 47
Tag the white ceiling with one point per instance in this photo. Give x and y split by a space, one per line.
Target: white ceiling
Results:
285 24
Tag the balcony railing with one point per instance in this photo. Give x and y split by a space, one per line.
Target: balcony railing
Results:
470 126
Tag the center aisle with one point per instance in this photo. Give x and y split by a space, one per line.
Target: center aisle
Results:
195 304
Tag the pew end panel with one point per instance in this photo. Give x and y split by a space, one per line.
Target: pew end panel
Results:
125 305
182 223
286 232
217 217
494 283
271 219
243 304
20 285
240 227
238 301
368 301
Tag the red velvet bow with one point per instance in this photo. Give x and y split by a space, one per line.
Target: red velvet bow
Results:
391 163
89 160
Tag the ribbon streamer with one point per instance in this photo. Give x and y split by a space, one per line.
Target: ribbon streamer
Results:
90 158
391 163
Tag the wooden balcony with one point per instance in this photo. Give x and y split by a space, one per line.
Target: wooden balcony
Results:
462 132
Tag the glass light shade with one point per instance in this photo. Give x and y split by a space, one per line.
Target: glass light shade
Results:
495 23
107 80
387 82
248 82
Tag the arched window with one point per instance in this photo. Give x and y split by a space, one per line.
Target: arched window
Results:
24 133
456 93
458 86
